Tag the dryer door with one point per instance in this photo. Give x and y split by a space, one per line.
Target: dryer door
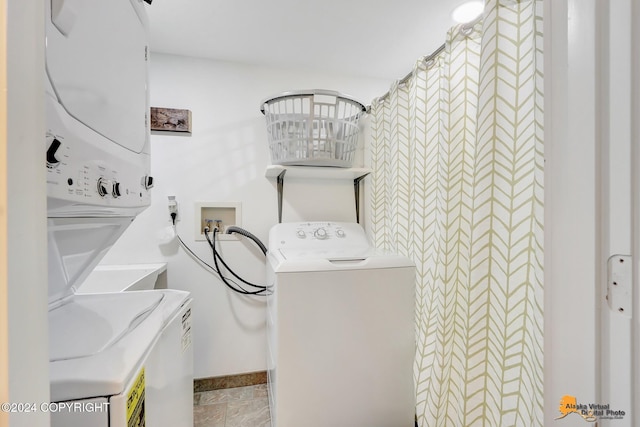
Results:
96 60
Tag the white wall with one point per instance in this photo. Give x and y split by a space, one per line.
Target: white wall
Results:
24 323
224 160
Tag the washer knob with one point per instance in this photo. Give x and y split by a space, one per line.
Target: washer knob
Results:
340 233
320 233
301 234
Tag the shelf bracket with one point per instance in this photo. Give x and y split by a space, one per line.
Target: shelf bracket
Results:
280 185
356 191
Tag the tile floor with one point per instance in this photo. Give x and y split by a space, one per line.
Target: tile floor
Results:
232 407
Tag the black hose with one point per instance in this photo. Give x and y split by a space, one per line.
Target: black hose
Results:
261 289
217 256
229 282
234 229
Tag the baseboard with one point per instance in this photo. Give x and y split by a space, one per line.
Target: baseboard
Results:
229 381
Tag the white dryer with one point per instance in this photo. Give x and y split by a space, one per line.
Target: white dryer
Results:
341 320
116 359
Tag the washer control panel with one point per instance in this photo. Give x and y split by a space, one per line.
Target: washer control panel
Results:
320 231
316 235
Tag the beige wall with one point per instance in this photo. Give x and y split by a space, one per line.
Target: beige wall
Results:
4 321
23 282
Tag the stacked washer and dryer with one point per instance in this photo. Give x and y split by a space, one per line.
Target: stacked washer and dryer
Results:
116 359
341 341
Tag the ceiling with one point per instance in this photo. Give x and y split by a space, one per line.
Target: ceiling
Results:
365 38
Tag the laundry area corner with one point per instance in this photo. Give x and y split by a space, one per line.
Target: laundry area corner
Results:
225 160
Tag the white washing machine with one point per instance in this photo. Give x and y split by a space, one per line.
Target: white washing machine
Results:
121 359
341 340
116 359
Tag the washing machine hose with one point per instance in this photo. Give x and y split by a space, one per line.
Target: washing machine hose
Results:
262 290
242 231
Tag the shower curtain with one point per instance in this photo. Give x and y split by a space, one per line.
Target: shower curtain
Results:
457 159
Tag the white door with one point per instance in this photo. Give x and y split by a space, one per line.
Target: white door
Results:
619 332
592 211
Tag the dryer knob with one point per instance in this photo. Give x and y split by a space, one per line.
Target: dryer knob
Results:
102 187
147 182
52 160
116 190
340 233
301 234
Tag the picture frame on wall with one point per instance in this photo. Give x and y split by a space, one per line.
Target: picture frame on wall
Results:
170 120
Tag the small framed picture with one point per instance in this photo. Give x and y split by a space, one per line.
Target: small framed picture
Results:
170 120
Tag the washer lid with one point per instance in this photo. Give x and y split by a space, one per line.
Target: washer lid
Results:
98 341
84 327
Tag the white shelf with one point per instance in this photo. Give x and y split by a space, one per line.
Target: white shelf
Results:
316 172
279 172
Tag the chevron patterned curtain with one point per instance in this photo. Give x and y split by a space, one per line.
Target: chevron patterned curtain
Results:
457 155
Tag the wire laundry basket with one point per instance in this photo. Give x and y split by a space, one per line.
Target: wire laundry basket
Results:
312 128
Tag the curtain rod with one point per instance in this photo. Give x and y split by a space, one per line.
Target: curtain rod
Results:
465 29
408 76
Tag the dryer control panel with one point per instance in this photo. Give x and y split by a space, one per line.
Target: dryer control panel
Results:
87 175
316 235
